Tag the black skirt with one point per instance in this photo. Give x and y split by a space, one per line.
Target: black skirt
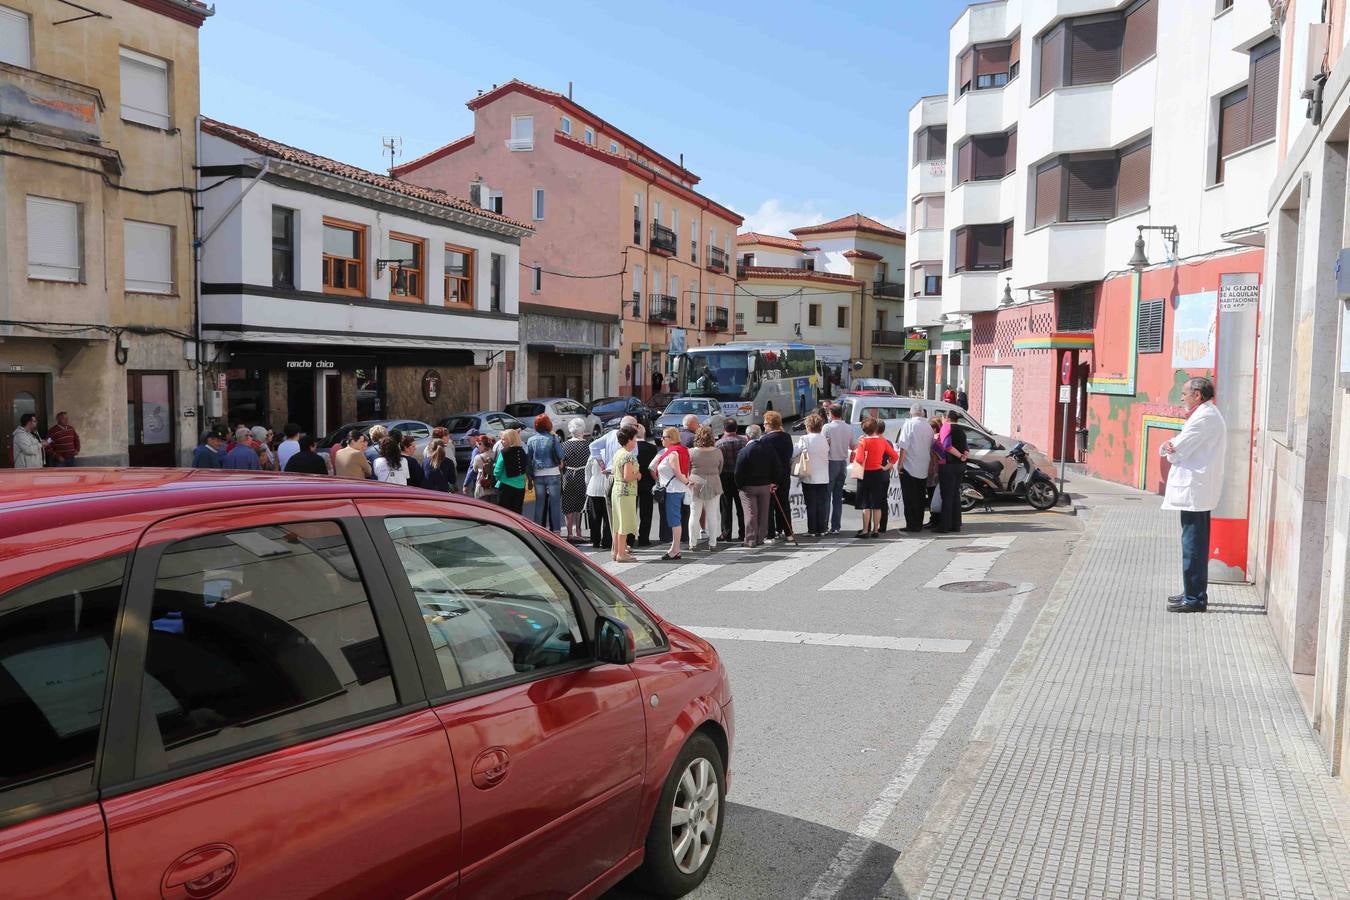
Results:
873 489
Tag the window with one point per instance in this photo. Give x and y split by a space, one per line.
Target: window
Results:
928 211
813 314
283 247
148 257
1098 48
1092 187
495 201
1247 114
1075 308
497 274
976 440
566 126
538 204
675 225
986 157
988 65
638 284
406 282
236 655
926 279
522 133
538 273
982 248
1150 326
54 240
693 241
458 276
841 317
637 220
930 144
344 258
145 89
766 312
932 285
693 313
55 646
590 136
613 146
16 46
740 323
492 608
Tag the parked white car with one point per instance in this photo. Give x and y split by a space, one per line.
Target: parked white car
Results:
562 410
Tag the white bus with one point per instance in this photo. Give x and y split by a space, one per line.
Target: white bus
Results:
750 378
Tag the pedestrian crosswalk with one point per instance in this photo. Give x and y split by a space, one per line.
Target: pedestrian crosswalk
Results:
877 566
771 576
973 566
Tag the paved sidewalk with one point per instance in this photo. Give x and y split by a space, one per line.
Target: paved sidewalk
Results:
1148 754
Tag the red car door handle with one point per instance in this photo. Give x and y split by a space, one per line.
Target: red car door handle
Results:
200 873
491 767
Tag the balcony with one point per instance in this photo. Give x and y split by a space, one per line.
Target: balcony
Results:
888 338
888 290
662 240
48 104
717 260
662 309
718 319
637 304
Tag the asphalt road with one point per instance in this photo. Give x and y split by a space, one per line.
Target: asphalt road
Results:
858 682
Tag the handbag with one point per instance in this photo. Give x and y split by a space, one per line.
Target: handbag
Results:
855 470
936 505
801 466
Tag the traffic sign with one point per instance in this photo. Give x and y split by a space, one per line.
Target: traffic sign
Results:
1065 368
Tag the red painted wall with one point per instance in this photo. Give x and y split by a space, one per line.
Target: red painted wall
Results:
1034 371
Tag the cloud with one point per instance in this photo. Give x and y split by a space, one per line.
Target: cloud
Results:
775 217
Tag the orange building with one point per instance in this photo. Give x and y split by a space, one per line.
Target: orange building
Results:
629 263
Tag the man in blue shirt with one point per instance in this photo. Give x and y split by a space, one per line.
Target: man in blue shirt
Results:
207 454
244 455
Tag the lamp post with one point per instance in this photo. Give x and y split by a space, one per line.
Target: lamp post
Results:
1139 261
1007 293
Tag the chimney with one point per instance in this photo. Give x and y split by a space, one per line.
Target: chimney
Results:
569 90
681 160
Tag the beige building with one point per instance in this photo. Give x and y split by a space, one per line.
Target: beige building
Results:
98 105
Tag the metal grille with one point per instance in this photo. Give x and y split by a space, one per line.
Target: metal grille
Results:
1151 326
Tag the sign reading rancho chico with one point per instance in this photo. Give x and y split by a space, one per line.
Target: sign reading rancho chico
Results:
310 364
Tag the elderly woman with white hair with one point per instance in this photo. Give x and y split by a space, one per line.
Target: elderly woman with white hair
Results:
576 452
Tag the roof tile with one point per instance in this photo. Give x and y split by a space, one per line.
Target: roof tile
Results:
855 222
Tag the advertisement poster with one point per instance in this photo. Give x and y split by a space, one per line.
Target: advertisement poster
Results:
1193 325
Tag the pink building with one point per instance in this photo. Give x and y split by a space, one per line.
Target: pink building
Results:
628 259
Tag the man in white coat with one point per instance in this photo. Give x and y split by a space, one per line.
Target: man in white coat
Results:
1193 487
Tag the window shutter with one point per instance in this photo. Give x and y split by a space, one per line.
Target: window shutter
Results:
1141 34
1150 337
1010 155
991 59
1007 244
1234 126
964 157
145 89
990 156
15 44
53 239
1014 52
937 142
988 249
1095 51
1092 189
936 206
1052 61
1264 92
965 64
959 250
1049 178
148 251
1133 182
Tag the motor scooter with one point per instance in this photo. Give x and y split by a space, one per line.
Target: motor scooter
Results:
983 482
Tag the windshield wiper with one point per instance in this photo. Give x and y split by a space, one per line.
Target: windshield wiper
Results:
494 594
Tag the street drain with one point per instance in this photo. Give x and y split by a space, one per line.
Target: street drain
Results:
974 587
974 548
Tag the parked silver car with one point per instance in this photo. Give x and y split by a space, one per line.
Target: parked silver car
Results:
562 410
709 412
463 427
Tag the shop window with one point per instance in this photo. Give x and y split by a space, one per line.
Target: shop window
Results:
344 252
369 394
406 276
458 276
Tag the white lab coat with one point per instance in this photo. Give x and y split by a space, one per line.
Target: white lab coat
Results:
1196 478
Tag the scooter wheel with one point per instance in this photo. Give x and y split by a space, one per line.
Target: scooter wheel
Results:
971 497
1042 494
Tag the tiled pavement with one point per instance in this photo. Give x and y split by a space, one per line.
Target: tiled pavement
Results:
1150 754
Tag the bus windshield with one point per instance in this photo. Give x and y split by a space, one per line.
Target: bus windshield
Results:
722 374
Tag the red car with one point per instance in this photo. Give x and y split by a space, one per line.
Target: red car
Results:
256 685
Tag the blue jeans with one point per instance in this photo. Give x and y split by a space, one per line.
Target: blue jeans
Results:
548 501
838 472
1195 556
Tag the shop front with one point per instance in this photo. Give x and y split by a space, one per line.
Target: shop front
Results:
567 356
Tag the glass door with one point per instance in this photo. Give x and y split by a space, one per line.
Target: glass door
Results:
19 395
150 419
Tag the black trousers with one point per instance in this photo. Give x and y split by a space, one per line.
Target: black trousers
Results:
914 492
780 515
644 535
949 479
731 499
597 511
512 498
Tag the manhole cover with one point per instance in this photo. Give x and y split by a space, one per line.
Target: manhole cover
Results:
975 587
972 548
1132 498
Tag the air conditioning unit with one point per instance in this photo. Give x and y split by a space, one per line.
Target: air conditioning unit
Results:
1319 39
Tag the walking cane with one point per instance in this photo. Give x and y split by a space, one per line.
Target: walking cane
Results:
787 520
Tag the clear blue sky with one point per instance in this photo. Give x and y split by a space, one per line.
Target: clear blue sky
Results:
791 113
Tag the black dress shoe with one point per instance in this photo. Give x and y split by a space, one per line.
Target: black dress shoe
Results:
1188 607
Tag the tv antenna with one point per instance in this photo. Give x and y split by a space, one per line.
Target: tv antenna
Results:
394 147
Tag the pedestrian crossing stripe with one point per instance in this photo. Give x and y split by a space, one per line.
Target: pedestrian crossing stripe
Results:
674 578
769 576
973 566
877 566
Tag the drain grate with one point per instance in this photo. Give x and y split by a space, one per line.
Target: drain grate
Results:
973 548
975 587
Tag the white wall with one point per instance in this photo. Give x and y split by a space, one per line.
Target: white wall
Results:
770 256
793 310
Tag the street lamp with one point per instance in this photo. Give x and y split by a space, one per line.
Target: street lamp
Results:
400 285
1007 293
1139 261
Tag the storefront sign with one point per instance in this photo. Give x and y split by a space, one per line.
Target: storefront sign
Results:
431 385
310 364
1235 296
916 343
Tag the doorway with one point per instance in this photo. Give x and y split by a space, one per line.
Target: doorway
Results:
300 406
19 395
150 419
996 409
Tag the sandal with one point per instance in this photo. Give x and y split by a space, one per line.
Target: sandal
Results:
628 558
667 556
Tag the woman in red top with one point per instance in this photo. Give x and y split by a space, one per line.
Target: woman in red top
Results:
876 456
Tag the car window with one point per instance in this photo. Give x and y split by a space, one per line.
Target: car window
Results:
260 634
491 606
613 602
977 440
459 424
529 410
884 413
513 423
848 410
572 408
417 429
55 640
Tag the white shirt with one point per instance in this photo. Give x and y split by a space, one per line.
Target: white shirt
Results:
1196 478
391 476
818 450
916 441
604 447
665 472
285 450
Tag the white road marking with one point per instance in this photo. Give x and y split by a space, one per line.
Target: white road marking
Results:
777 572
973 566
877 566
867 641
846 861
614 568
683 574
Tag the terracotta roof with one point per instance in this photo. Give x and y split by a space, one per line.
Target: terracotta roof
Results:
862 254
855 222
785 273
287 153
767 240
434 155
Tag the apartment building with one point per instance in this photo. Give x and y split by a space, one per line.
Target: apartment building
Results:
331 294
838 285
98 104
628 264
1300 526
1075 257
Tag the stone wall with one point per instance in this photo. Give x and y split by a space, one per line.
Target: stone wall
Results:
403 392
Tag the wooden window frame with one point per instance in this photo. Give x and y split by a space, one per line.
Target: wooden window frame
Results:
841 317
466 280
417 272
813 315
760 317
359 263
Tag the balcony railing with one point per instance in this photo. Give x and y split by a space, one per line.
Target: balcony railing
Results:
718 320
663 240
717 260
888 338
661 308
892 290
